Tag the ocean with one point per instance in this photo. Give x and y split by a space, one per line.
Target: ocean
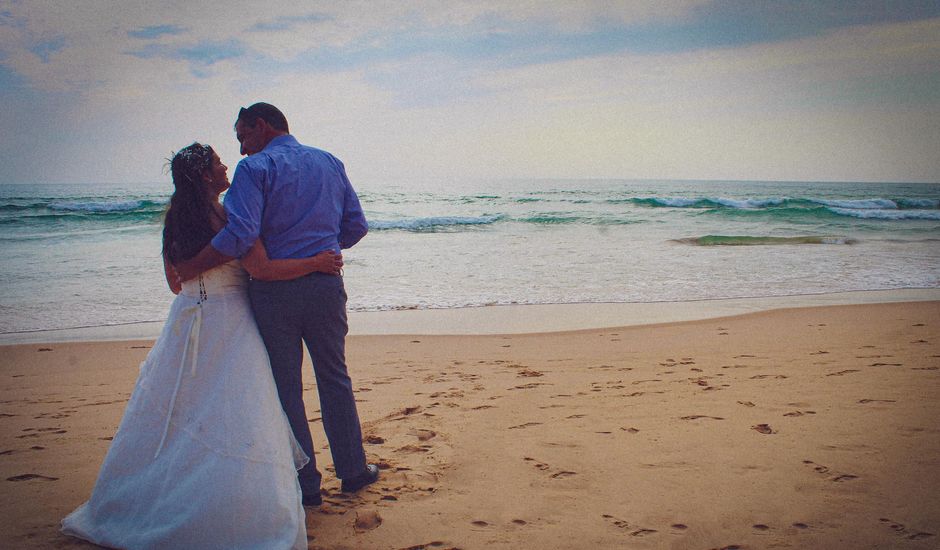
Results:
88 255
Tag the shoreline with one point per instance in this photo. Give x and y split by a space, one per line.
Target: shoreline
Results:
518 318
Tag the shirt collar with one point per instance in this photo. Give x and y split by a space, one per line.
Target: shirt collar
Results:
286 139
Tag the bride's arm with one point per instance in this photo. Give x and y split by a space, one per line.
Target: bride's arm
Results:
257 263
172 277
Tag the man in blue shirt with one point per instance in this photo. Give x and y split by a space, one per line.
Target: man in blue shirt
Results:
298 200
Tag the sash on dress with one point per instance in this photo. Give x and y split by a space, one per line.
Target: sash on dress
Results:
192 343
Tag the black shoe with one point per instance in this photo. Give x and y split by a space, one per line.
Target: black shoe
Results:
312 500
354 484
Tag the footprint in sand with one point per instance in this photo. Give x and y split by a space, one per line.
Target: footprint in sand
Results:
866 401
402 413
367 520
411 449
635 531
545 467
540 465
842 372
529 373
825 471
27 477
422 434
844 477
429 546
54 416
526 425
903 531
698 416
764 429
600 367
528 386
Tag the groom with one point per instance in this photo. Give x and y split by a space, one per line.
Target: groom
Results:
300 202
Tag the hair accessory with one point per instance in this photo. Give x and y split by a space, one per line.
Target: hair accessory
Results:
195 157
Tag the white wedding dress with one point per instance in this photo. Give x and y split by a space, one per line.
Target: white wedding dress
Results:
204 456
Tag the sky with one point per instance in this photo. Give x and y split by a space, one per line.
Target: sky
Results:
444 91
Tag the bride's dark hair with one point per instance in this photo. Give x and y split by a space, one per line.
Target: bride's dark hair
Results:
188 224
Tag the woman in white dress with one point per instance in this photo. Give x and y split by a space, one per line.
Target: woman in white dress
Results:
204 456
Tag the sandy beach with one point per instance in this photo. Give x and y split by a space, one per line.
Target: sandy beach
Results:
809 427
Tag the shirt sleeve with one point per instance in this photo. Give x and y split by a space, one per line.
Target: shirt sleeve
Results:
353 226
244 203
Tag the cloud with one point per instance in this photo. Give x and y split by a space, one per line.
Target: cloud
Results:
44 50
677 88
156 31
200 55
288 22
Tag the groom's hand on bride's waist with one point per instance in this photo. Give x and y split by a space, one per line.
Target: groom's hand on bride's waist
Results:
329 262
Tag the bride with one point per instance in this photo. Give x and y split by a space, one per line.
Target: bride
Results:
204 456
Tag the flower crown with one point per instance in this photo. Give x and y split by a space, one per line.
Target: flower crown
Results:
195 157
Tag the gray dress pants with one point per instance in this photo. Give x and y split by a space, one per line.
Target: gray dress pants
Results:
312 309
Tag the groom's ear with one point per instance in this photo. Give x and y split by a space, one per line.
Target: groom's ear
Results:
262 125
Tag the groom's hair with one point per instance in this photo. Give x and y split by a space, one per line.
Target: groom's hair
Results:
266 112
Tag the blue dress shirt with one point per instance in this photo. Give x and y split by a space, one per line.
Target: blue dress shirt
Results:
296 198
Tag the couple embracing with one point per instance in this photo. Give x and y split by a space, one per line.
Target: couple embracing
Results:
214 450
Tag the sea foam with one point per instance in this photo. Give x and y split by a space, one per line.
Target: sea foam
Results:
750 240
97 206
431 223
887 214
863 204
